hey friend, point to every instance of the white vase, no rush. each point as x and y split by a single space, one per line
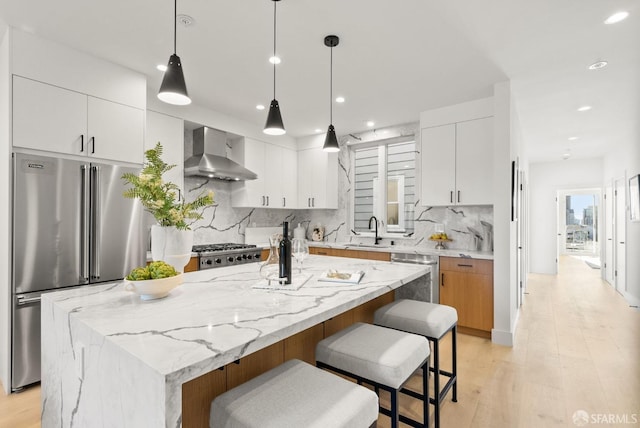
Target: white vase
171 245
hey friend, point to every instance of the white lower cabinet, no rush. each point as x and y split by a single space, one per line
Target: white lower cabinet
457 163
54 119
168 131
317 179
276 168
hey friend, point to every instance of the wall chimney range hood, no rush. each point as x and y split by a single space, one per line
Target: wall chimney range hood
210 158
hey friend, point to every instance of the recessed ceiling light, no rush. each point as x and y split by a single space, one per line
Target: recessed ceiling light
260 107
340 99
573 138
617 17
597 65
161 67
584 108
275 60
370 123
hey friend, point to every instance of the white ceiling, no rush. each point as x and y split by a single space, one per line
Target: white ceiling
395 59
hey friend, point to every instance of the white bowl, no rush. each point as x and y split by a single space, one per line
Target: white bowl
154 288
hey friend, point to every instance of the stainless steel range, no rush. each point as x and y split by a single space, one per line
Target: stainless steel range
218 255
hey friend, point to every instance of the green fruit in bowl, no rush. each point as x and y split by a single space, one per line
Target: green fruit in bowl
155 270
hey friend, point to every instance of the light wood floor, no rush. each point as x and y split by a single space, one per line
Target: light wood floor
577 347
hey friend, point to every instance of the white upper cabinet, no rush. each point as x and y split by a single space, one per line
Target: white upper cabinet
168 131
317 179
77 104
49 118
474 162
456 153
276 168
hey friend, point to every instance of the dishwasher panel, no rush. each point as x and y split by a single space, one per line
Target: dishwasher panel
423 288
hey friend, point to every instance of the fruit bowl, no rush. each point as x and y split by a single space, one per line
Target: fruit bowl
150 289
440 241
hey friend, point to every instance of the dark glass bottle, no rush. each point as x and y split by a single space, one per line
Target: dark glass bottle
285 254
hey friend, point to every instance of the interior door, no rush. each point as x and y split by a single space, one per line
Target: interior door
620 235
609 222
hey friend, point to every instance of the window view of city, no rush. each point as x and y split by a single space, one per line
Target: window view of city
582 224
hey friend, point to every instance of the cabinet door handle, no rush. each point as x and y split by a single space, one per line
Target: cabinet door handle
451 196
442 279
313 202
284 202
263 200
458 196
81 143
93 144
267 201
309 202
464 265
179 195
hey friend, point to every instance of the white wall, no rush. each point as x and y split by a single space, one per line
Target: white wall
626 161
504 232
545 179
5 206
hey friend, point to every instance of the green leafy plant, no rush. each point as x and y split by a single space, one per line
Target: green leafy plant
159 197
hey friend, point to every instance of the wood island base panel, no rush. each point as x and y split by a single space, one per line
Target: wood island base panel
110 359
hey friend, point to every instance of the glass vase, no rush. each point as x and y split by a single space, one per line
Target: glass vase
269 269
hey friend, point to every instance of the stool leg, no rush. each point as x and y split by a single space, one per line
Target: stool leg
436 382
425 392
395 411
454 363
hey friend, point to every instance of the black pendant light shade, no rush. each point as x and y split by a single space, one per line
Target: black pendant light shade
173 90
274 125
330 141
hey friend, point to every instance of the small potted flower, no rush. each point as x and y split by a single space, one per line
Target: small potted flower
172 237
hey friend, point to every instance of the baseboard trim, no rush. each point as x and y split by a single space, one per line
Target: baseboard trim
500 337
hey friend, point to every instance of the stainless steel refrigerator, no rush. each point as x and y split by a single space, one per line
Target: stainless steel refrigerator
71 227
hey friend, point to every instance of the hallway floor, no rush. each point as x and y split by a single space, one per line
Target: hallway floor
577 348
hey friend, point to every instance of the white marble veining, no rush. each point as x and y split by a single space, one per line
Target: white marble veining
110 359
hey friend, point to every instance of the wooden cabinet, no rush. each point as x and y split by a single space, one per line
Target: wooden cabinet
467 285
457 163
276 168
354 254
54 119
197 396
168 131
192 266
303 345
317 179
254 364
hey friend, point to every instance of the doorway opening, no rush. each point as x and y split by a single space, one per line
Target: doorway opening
579 223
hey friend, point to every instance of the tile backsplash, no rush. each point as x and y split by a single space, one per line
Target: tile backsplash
223 223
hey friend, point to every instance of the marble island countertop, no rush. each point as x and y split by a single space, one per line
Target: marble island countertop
399 248
107 353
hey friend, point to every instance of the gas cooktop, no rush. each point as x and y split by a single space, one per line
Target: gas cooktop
206 248
218 255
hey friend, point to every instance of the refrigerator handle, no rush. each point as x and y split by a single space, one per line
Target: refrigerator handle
21 300
95 221
84 223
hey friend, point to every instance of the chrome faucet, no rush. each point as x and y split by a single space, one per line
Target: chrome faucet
377 238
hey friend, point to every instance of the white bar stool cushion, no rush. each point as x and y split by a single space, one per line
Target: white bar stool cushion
295 394
424 318
380 354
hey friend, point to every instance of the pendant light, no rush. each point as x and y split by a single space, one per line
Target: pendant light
274 125
173 90
330 141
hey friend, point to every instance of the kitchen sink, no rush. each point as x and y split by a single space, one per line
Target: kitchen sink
368 246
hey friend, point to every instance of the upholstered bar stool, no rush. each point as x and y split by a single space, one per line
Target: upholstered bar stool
381 357
295 394
432 321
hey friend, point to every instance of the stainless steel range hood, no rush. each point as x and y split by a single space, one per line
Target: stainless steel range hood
210 160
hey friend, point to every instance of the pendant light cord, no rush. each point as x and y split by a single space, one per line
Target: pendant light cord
275 2
175 24
331 88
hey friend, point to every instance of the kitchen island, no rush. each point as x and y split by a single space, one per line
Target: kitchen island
110 359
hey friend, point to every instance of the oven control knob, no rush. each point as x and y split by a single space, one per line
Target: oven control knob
218 261
249 257
256 256
238 258
209 262
244 257
230 259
